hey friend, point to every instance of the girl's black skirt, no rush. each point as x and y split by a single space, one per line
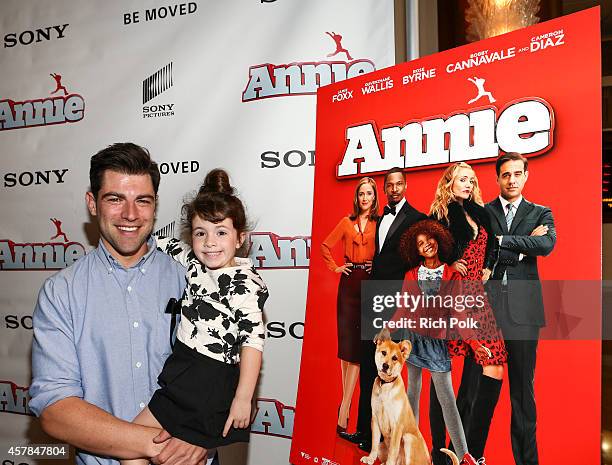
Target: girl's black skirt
194 400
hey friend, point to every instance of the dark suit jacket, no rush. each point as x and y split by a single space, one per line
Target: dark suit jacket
525 302
387 264
388 270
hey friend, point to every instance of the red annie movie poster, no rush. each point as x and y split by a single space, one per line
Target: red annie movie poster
531 396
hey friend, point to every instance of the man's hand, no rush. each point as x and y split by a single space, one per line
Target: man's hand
461 266
486 274
177 451
368 264
239 415
541 230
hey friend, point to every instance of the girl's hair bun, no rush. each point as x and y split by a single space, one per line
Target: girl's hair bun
216 181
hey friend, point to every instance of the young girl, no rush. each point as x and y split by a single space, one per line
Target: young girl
208 381
423 246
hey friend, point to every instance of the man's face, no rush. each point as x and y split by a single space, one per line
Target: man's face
125 209
511 180
395 186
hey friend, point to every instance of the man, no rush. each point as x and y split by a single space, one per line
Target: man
524 231
387 265
100 332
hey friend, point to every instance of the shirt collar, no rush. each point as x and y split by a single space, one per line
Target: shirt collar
112 264
399 205
515 204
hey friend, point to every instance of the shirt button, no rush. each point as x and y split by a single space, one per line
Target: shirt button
142 405
143 271
135 324
129 288
138 364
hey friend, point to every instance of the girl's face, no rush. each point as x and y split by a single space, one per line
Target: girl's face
215 244
365 197
463 183
427 246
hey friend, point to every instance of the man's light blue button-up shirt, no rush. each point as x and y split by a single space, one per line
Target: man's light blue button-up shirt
101 333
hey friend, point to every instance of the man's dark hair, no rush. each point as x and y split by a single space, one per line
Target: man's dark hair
510 156
394 170
124 157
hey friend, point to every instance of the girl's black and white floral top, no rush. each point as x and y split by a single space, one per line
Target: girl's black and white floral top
221 310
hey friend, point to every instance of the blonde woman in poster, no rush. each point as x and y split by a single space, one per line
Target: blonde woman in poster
357 234
458 205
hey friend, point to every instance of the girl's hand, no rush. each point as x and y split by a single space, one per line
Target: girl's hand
368 264
483 353
480 352
486 274
461 266
346 268
239 415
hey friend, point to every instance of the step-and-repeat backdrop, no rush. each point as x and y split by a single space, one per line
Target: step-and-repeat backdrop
201 84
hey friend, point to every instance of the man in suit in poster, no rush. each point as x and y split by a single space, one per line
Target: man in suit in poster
525 231
387 265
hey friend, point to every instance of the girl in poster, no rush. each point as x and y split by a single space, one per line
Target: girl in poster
425 247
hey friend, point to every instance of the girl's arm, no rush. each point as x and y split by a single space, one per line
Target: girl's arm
251 334
178 250
240 411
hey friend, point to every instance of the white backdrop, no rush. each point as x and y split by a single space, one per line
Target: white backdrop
200 54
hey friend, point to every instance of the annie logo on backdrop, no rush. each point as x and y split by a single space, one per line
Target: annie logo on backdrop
55 255
60 109
270 251
14 398
273 418
304 78
525 125
153 86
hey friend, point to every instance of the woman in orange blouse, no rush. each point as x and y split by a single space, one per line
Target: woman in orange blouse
357 233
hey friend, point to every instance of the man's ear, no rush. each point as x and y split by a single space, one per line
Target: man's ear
91 203
526 176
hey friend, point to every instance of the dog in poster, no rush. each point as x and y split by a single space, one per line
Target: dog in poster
392 416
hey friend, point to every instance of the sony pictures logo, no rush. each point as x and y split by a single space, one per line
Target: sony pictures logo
341 95
153 86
